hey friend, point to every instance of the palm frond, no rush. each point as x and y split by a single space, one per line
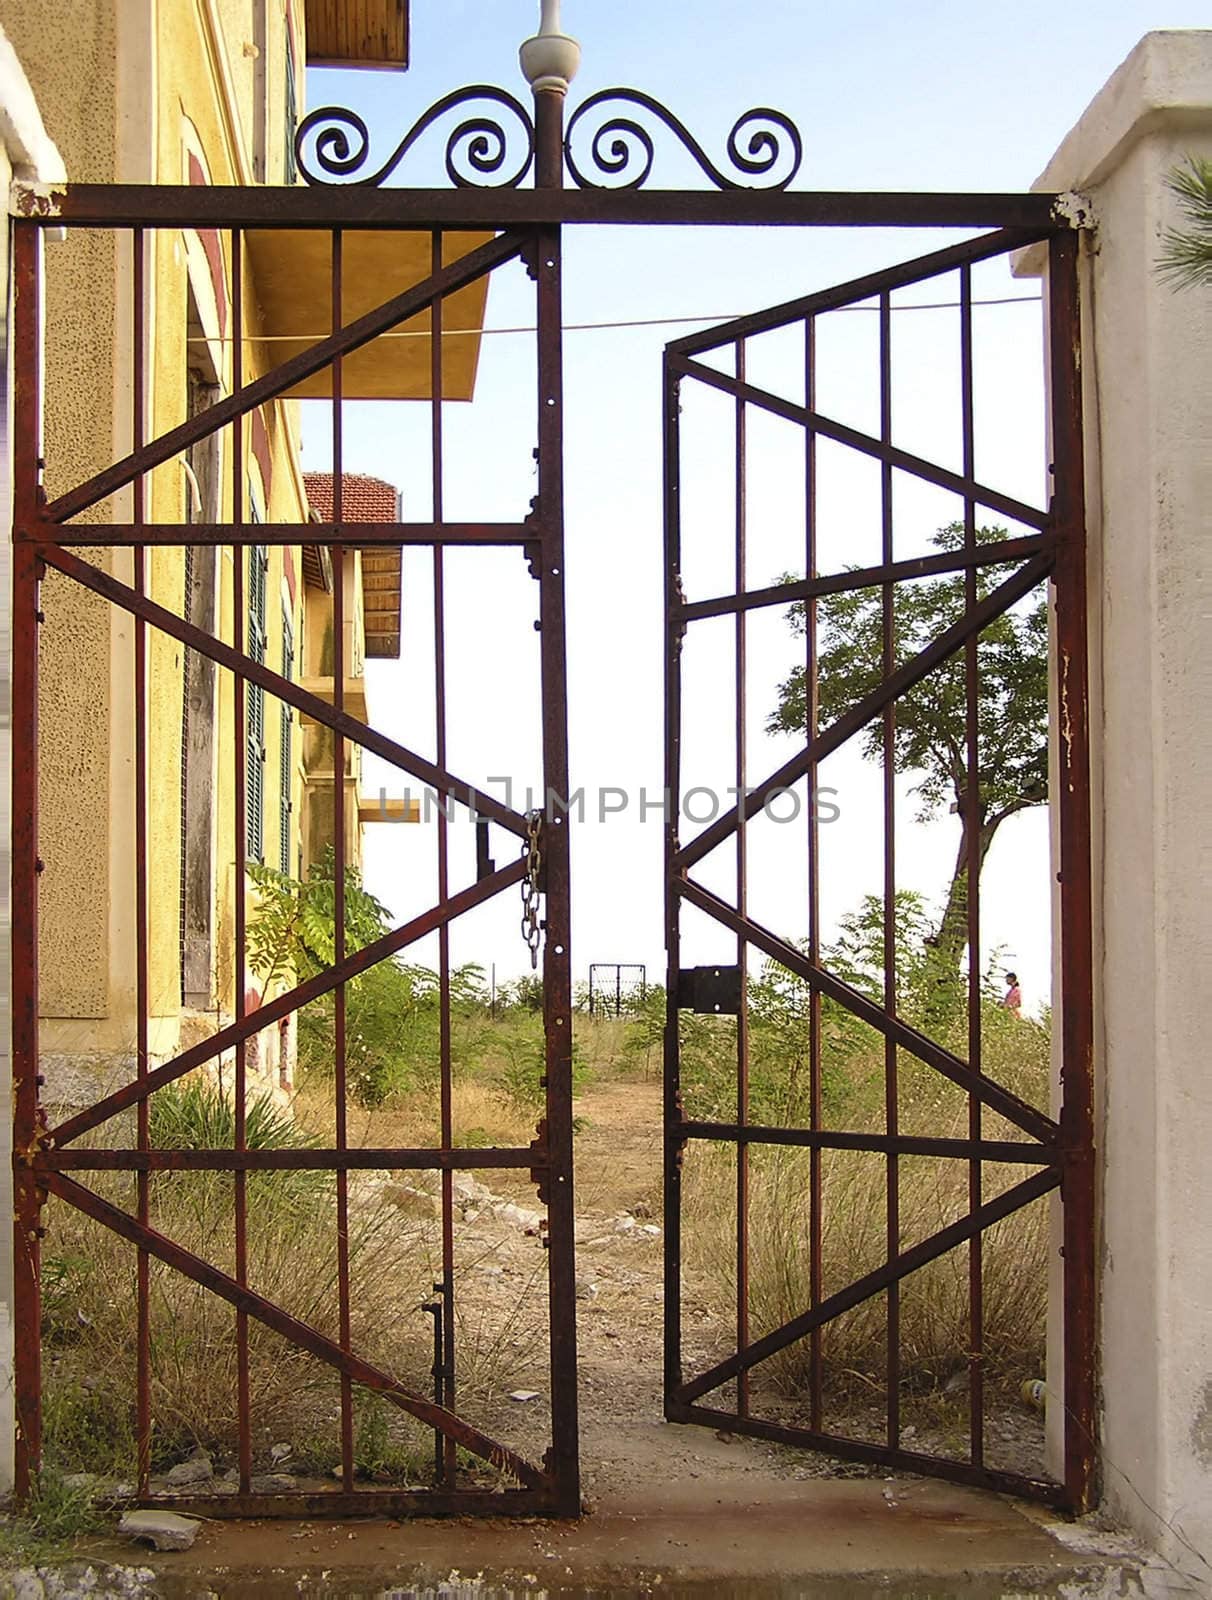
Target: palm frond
1186 258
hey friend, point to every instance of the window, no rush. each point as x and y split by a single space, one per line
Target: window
287 731
254 700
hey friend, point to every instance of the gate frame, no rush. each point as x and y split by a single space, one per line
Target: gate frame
1057 553
544 211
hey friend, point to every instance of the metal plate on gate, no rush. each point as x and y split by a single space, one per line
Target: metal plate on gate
711 991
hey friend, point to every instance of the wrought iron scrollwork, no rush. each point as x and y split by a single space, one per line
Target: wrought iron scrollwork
764 147
763 144
477 149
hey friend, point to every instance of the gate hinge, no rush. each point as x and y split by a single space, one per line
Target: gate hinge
710 990
533 550
540 1173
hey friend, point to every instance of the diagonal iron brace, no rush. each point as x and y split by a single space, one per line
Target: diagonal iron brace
282 1005
397 755
290 1328
816 422
284 376
906 677
1006 1104
873 1283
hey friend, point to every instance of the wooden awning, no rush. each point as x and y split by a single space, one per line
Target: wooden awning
357 33
292 272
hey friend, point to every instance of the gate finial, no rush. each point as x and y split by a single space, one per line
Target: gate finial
550 59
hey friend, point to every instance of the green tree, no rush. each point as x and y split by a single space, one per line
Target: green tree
1012 708
1186 257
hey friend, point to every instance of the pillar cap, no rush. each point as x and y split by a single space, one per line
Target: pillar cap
550 59
1166 81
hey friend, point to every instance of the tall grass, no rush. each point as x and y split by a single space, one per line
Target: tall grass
90 1296
935 1325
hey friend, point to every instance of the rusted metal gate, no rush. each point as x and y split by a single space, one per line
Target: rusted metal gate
526 223
51 1161
1055 1152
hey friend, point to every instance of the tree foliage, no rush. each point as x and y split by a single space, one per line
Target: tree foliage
931 719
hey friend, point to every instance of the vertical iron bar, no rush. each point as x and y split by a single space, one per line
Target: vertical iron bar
742 948
557 971
27 1198
973 818
1077 1106
811 717
444 1029
142 1180
891 1087
340 864
240 739
674 1147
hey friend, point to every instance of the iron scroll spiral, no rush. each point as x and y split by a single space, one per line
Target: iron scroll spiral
762 142
340 143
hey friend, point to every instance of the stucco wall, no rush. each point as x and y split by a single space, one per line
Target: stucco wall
133 87
68 52
1148 402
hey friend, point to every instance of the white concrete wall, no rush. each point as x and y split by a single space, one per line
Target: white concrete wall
1148 387
25 153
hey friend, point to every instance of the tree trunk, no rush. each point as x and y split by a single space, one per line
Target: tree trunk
952 937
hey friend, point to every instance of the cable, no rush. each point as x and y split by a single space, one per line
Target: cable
595 327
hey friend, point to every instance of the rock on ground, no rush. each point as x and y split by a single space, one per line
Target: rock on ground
163 1529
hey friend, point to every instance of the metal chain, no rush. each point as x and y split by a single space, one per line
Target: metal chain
532 928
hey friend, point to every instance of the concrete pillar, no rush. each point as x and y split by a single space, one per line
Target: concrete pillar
1147 373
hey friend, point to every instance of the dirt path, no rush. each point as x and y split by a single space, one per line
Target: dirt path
620 1239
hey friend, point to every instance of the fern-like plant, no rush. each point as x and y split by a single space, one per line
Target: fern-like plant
292 932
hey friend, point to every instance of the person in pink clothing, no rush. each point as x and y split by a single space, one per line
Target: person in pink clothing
1013 1000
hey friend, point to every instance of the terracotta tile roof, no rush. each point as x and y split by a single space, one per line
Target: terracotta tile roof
363 498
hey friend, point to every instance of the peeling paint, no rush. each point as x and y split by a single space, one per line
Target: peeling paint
36 199
1066 720
1074 209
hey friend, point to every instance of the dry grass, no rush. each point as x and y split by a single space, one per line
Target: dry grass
89 1318
89 1274
935 1307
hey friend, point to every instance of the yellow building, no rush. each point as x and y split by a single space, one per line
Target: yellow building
186 92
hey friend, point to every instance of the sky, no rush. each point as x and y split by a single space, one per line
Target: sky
932 96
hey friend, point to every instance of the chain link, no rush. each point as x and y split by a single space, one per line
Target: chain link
532 928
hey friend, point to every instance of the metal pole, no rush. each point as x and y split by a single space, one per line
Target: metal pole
1073 804
557 970
27 1196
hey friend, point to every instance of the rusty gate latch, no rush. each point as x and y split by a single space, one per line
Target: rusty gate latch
713 991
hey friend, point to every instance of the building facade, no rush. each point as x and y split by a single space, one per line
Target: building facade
196 92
